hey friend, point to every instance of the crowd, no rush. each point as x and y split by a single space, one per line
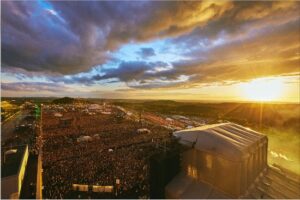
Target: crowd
120 152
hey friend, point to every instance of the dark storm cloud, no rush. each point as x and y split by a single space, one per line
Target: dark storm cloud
71 37
37 40
146 52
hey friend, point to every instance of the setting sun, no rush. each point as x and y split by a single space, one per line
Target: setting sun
263 89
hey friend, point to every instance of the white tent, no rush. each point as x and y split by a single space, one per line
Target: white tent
95 107
85 138
106 113
169 119
227 156
143 130
11 151
57 114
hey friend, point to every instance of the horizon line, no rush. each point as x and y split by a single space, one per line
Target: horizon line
178 100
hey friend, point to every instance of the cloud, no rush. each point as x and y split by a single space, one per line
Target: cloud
263 52
160 82
32 87
222 41
130 71
146 52
72 37
35 40
259 10
136 74
240 22
21 73
265 46
236 60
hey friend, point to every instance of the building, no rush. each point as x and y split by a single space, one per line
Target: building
12 171
222 160
228 161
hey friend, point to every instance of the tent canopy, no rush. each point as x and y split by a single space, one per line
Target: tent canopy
229 140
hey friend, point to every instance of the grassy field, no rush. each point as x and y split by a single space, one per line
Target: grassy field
284 148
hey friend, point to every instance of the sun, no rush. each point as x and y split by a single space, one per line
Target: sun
263 89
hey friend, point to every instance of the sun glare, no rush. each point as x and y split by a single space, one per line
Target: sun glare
263 89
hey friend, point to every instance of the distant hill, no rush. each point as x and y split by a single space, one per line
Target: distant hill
161 102
68 100
247 114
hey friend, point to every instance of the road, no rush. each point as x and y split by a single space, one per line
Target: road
8 127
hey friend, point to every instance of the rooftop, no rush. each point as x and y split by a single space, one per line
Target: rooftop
227 139
12 162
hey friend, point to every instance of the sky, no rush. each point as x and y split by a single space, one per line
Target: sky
182 50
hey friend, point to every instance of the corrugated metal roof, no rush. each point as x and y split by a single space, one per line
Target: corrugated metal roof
227 139
276 183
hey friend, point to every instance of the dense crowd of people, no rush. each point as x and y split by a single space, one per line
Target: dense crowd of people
118 152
